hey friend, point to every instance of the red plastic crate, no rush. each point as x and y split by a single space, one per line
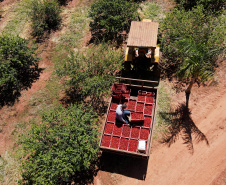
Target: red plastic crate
117 129
106 139
140 107
123 144
111 116
125 95
144 93
135 132
151 94
126 131
119 87
131 104
137 116
109 128
147 121
115 142
150 99
148 109
133 145
141 98
127 92
113 106
144 133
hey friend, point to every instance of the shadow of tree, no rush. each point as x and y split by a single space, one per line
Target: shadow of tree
10 94
86 176
99 37
98 103
181 123
126 165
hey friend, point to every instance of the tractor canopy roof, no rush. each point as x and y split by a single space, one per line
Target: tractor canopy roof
143 34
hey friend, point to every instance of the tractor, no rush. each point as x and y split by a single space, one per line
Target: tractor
142 50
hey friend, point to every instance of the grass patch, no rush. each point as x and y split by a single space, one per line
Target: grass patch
18 20
71 38
9 171
46 97
163 117
151 10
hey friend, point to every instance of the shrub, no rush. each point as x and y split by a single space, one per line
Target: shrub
61 146
111 17
18 67
92 73
45 16
209 5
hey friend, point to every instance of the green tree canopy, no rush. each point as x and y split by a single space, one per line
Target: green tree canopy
61 146
18 66
196 28
191 42
109 17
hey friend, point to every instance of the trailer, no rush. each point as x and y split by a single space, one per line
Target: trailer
134 138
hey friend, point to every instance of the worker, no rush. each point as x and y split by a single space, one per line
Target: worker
121 113
148 55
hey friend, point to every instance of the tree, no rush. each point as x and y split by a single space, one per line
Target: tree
61 146
191 42
197 63
18 67
109 17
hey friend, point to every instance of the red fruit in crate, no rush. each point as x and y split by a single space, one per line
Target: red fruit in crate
131 105
115 142
111 116
137 116
148 109
117 129
113 106
135 132
133 145
124 144
106 140
139 107
108 128
126 96
147 121
149 99
144 133
126 131
141 98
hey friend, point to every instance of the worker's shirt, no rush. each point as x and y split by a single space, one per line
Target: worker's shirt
119 113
